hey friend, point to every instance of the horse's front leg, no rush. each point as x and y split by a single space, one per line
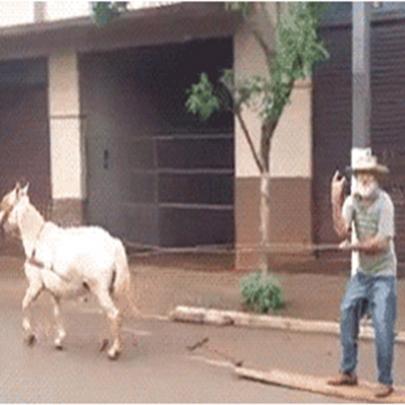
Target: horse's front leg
32 293
60 329
114 317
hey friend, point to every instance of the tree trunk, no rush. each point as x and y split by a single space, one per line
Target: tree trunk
265 148
264 222
267 130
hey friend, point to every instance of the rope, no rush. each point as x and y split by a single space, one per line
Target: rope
148 250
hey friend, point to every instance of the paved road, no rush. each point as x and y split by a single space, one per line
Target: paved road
156 366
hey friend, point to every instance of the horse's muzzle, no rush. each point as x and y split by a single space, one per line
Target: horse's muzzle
3 218
4 214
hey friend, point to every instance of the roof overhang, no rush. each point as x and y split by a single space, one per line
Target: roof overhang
178 22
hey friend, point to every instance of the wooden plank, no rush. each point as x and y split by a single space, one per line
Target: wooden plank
363 392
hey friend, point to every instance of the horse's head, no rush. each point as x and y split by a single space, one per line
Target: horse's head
12 204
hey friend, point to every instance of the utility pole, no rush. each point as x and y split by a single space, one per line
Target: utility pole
361 90
361 75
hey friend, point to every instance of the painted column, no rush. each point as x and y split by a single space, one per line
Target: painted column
290 166
66 141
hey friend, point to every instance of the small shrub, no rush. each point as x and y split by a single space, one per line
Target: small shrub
261 293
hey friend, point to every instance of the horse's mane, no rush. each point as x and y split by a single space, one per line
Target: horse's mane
32 210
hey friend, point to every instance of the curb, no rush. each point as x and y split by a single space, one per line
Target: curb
225 318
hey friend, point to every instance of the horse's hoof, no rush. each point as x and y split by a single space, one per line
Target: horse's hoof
58 343
103 345
30 339
113 355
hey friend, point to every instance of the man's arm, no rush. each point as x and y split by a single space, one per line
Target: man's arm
374 245
381 241
340 224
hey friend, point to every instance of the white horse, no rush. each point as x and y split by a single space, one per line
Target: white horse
67 263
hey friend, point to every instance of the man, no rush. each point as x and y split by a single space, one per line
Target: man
371 212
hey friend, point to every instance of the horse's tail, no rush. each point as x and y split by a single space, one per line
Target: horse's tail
122 275
123 289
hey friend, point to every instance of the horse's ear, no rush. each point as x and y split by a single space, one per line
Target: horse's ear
24 190
20 190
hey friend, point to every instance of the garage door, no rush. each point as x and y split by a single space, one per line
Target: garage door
332 125
388 113
156 174
332 119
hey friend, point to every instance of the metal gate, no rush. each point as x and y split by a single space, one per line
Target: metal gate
157 175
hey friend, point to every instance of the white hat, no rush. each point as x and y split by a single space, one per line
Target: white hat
368 163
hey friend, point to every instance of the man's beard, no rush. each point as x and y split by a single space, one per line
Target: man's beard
366 191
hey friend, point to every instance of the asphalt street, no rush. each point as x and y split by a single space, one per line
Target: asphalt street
157 364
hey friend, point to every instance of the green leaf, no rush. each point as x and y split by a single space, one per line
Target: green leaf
202 100
104 12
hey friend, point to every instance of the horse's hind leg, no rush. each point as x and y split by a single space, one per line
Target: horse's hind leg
32 293
60 329
114 317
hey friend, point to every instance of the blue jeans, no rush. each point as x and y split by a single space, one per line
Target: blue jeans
378 293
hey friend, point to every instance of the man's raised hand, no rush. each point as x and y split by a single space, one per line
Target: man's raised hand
337 189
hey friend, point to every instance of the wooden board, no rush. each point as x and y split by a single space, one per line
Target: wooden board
363 392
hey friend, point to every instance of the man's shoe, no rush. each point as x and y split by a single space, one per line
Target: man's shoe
383 390
343 379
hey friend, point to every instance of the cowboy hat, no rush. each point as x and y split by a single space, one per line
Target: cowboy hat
367 164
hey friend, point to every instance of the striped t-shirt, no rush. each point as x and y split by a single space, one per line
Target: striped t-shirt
370 220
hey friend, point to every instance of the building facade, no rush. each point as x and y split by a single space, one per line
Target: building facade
94 118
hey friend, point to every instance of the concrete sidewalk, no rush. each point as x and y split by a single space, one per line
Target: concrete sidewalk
162 285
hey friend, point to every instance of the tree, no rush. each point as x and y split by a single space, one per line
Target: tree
295 51
104 12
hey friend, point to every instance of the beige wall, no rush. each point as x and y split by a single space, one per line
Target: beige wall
248 60
291 154
64 84
292 142
67 152
290 162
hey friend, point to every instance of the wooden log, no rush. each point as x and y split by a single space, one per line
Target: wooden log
187 314
224 317
201 315
363 392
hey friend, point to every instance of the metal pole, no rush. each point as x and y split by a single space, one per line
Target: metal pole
361 75
361 88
